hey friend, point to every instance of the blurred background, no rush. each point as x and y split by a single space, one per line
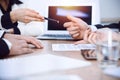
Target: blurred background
109 9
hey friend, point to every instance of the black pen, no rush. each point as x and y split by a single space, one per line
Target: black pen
51 19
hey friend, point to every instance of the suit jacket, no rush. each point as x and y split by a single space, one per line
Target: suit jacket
112 25
33 28
4 50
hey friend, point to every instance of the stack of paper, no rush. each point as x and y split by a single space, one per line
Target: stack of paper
53 77
72 47
113 72
22 66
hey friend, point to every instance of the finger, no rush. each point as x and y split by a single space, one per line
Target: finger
81 42
74 19
31 10
90 38
34 14
77 20
86 34
35 42
24 45
94 39
74 28
26 51
76 36
29 19
67 24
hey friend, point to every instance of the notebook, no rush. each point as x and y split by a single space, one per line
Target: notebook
87 12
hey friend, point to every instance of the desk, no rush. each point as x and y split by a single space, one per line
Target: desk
86 73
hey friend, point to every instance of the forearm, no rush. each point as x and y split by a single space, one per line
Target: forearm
8 24
117 36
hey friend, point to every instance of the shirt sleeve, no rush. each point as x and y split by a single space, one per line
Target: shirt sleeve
112 25
8 43
2 32
93 28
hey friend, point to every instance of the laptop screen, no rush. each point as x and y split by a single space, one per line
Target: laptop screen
60 13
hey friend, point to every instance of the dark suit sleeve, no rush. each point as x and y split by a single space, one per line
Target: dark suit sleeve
113 25
4 50
7 23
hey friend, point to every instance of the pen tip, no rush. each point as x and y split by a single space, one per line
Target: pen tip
57 21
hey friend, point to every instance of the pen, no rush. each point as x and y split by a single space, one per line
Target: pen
51 19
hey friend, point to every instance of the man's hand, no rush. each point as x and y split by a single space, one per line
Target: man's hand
100 35
20 44
76 27
28 39
19 47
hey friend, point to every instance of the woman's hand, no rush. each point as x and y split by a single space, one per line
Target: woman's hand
25 15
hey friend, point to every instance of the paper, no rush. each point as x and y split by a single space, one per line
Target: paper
53 77
72 47
22 66
113 72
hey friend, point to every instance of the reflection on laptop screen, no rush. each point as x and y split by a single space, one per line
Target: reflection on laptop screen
60 13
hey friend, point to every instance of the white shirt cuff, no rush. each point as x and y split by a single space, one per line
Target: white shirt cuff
8 43
93 28
1 33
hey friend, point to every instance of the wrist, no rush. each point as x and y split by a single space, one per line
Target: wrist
8 43
13 16
93 28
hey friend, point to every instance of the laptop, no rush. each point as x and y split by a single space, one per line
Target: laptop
56 30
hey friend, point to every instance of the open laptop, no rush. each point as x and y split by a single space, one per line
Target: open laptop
56 30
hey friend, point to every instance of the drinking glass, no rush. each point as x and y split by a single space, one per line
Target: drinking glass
107 50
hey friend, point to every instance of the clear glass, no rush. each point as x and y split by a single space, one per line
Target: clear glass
108 55
108 50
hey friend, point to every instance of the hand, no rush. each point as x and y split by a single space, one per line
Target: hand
19 47
76 27
25 15
28 39
99 35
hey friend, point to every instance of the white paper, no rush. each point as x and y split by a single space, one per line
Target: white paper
22 66
72 47
53 77
113 72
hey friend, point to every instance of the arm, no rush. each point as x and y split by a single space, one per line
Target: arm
20 45
99 35
76 27
30 23
8 24
112 25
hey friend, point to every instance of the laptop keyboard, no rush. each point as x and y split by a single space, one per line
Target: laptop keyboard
56 36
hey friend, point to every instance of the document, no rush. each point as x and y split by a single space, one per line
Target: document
72 47
53 77
113 72
37 64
